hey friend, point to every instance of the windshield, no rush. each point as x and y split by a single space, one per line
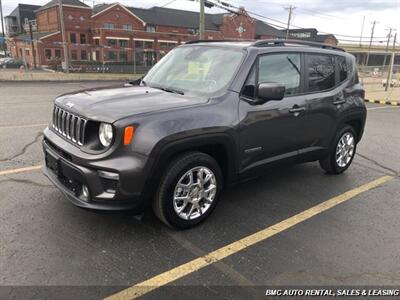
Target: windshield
198 70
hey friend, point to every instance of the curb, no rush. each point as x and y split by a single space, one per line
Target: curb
393 103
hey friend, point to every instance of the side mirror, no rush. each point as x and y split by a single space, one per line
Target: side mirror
267 91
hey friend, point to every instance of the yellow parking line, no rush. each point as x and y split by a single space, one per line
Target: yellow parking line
20 170
22 126
162 279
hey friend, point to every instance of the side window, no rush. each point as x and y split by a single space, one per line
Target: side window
249 89
321 72
344 68
282 68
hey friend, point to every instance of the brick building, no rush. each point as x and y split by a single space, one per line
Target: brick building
118 33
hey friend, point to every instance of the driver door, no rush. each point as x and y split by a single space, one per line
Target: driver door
273 131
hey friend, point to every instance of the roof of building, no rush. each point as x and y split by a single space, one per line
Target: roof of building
24 10
64 2
265 29
169 17
323 37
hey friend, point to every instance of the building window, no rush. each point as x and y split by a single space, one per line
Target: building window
112 42
123 43
151 28
27 52
97 53
83 38
47 54
57 53
112 55
20 52
144 44
193 31
97 42
281 68
74 55
108 25
72 38
82 18
167 45
83 55
127 27
321 72
123 56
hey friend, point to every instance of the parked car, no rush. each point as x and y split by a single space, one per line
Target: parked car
208 115
11 63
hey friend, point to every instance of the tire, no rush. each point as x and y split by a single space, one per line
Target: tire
166 206
330 163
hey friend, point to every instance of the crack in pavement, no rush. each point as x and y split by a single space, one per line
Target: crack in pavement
27 181
393 172
24 148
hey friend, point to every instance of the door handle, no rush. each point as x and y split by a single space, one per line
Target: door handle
339 101
296 109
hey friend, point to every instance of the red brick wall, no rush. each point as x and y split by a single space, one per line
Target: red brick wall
118 16
232 24
47 20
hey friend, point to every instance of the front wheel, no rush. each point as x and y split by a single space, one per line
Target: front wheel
342 151
188 191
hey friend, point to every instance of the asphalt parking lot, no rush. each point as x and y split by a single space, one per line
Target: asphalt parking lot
50 246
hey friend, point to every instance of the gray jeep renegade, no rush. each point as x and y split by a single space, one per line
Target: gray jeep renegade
206 115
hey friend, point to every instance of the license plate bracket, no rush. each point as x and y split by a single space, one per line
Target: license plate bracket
52 163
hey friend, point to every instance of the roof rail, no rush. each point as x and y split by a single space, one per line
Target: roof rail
216 41
267 43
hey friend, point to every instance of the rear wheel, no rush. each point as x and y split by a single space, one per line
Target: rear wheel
342 151
188 191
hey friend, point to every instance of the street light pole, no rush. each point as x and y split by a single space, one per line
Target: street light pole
64 40
290 9
32 44
201 20
370 42
387 45
389 77
2 27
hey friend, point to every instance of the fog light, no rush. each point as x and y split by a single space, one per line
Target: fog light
85 192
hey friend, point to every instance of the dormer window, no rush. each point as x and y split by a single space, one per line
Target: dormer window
151 28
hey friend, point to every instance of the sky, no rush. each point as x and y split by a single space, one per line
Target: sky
343 18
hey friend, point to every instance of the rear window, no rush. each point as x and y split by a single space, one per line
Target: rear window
321 72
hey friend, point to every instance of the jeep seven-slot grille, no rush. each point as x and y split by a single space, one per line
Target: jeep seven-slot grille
69 125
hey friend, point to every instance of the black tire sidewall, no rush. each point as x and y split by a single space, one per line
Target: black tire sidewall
335 166
167 205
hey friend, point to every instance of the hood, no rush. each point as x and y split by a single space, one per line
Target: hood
112 104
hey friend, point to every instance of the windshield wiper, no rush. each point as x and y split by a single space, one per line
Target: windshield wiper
169 90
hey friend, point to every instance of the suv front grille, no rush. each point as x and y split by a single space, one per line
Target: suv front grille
69 125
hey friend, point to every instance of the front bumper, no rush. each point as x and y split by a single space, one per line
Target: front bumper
70 173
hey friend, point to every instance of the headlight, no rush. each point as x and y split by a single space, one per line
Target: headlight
105 134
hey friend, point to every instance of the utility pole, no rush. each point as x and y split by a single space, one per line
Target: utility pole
387 45
362 30
290 8
370 42
32 44
389 77
64 40
201 20
2 27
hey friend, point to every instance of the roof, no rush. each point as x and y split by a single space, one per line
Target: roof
169 17
265 29
64 2
36 36
323 37
24 10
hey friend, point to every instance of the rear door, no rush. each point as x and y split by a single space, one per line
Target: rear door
325 98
